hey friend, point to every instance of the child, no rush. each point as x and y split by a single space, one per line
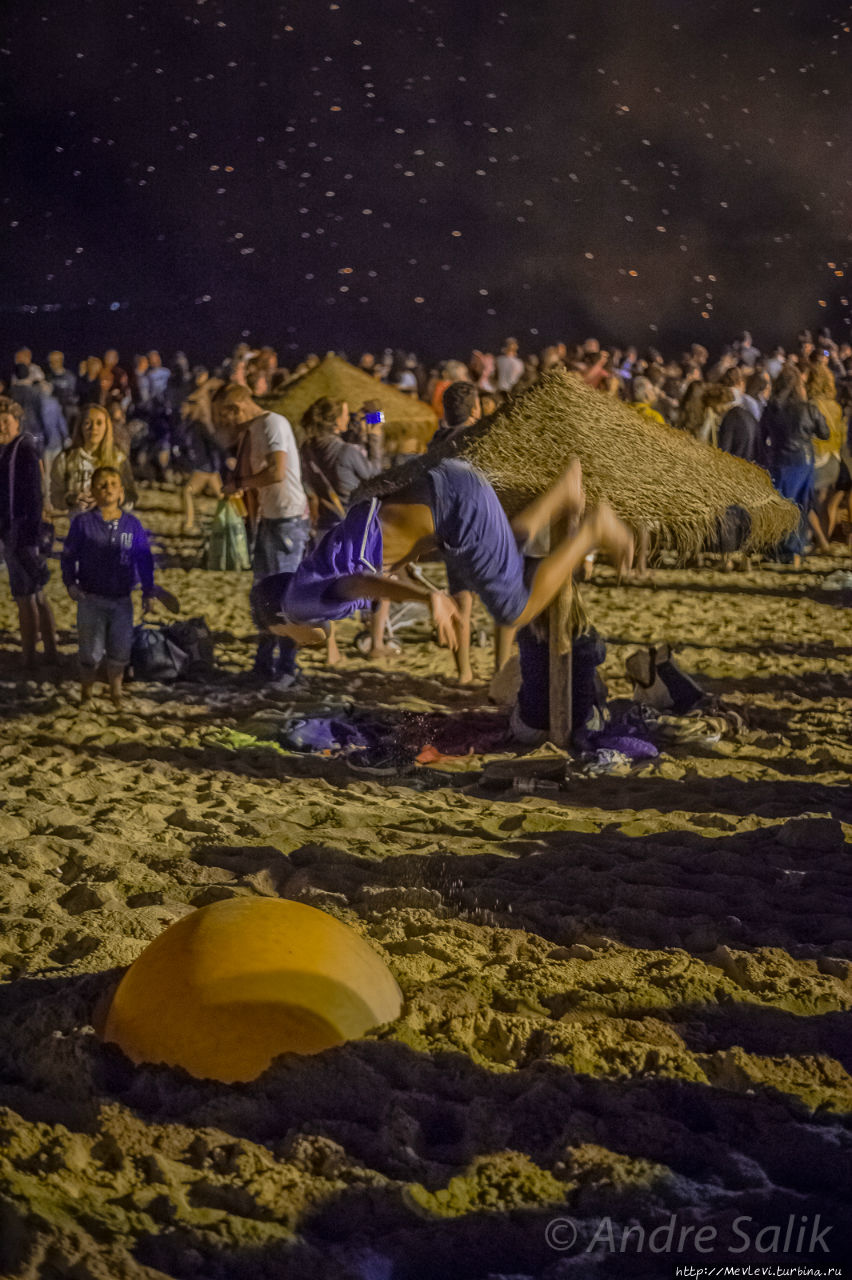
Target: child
454 510
106 554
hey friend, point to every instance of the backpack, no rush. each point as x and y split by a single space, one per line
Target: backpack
153 656
194 639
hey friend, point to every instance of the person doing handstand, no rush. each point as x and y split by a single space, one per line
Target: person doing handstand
452 509
462 408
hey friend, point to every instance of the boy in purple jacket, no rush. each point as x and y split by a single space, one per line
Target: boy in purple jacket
106 554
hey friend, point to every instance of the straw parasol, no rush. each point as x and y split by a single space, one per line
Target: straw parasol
652 475
405 416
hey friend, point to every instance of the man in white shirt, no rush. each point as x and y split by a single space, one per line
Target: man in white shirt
268 474
509 366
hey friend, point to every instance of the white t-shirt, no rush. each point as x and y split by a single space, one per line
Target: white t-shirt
272 433
509 369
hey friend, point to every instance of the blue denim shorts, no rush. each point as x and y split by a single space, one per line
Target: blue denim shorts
27 566
104 630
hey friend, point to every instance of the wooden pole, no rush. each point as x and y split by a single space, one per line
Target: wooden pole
559 620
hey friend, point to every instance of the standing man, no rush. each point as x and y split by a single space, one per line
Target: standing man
268 474
64 384
509 366
21 534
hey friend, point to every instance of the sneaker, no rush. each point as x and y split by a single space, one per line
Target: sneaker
379 762
660 683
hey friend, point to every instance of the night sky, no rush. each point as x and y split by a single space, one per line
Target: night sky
434 176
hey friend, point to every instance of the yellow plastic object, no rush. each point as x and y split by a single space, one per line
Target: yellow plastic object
226 989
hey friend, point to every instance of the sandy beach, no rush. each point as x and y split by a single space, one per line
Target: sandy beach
624 1001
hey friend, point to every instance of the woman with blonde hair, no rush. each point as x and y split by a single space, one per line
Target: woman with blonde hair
92 446
822 391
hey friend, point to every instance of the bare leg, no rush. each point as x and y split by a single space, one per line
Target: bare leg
190 491
602 528
115 676
464 600
28 625
88 676
47 627
565 498
332 652
816 529
642 550
835 502
198 483
378 622
504 638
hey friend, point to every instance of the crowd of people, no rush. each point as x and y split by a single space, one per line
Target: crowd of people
79 444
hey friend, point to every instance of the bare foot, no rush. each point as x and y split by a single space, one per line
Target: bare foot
383 651
614 536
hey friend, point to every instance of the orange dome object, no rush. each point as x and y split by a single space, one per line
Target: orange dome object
229 987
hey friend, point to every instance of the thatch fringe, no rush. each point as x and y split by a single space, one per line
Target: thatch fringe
652 475
405 416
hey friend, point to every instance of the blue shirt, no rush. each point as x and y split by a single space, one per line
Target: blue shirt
476 539
107 557
158 380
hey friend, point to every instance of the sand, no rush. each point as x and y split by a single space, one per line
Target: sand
624 1002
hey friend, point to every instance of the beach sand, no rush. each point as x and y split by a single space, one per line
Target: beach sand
628 1003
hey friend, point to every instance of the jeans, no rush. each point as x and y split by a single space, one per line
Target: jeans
795 480
104 629
279 546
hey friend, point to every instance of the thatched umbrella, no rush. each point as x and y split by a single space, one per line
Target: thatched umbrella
652 475
405 416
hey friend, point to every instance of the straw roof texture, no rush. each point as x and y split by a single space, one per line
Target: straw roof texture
652 475
404 415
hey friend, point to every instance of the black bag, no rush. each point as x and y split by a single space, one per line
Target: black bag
194 639
153 656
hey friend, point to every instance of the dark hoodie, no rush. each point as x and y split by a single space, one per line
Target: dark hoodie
791 427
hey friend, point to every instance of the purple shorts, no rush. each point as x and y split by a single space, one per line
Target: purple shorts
352 546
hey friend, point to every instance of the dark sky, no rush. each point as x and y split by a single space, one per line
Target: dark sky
435 176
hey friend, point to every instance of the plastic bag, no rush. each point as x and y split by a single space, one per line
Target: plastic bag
153 656
227 546
193 637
